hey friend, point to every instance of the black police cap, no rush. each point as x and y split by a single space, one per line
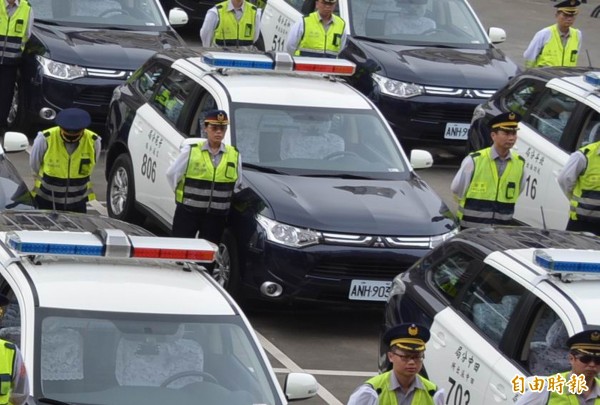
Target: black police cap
73 119
507 121
568 6
587 341
407 336
216 117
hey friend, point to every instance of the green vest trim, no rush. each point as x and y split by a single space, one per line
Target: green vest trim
204 187
555 54
585 202
489 199
566 398
316 41
7 364
382 385
230 31
64 178
13 32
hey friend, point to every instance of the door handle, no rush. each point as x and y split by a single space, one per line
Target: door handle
440 340
498 392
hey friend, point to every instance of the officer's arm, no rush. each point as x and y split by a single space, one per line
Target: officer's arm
569 174
207 31
462 179
535 47
257 24
98 147
439 398
294 37
177 169
533 398
37 152
364 395
20 382
238 182
29 25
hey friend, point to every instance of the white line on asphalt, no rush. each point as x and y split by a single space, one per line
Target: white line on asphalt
327 396
97 205
340 373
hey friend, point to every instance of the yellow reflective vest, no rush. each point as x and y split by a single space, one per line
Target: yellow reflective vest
387 396
206 188
555 54
316 41
230 31
7 364
491 199
585 202
13 32
64 178
566 398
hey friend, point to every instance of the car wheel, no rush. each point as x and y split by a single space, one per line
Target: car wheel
16 115
120 192
226 269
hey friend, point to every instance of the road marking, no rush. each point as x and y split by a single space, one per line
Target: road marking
327 396
97 205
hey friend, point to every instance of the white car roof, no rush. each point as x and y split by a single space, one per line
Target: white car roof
579 88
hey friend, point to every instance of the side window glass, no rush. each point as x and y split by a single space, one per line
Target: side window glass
172 95
10 316
450 275
522 95
591 130
490 301
297 4
551 114
146 81
548 343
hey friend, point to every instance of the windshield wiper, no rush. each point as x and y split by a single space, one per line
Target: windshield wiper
338 176
52 401
262 169
371 39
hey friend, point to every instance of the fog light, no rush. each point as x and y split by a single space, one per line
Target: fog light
271 289
47 113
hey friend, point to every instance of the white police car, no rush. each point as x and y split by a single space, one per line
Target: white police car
104 315
500 302
558 119
331 208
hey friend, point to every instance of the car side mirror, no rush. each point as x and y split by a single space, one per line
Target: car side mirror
178 17
420 159
299 386
15 142
497 35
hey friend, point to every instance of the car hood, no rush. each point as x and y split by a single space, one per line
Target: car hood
100 48
464 68
376 207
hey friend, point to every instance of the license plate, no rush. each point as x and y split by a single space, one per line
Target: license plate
369 290
456 131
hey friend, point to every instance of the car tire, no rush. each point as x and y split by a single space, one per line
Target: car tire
17 120
226 269
120 192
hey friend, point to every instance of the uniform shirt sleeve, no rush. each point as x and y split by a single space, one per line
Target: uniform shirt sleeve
569 174
364 395
535 46
98 147
177 169
29 24
37 152
239 183
257 24
580 40
294 36
533 398
439 398
207 31
462 179
20 382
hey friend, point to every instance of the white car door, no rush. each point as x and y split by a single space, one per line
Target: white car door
277 20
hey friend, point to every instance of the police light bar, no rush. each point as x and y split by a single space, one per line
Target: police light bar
238 60
112 244
341 67
592 78
568 260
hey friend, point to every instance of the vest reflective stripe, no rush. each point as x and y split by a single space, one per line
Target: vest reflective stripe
555 54
316 41
585 202
230 31
204 187
566 398
64 178
7 364
381 383
489 199
13 32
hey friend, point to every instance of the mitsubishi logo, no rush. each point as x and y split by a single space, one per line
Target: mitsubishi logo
379 242
468 93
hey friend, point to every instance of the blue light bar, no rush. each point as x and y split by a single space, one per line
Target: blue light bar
592 78
42 242
568 260
238 60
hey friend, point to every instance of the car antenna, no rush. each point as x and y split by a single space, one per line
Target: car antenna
545 229
587 52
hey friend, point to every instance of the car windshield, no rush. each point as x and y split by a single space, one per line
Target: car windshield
317 141
104 358
448 23
14 193
127 14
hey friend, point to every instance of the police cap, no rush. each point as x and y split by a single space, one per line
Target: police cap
407 336
216 117
73 119
506 122
587 342
568 7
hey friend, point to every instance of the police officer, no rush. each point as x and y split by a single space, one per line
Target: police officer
16 18
558 44
14 384
584 356
231 23
403 384
490 180
321 33
204 176
579 179
63 158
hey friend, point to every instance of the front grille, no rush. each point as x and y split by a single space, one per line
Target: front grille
443 115
95 96
356 270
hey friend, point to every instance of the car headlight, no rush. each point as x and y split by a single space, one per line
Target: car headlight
439 239
288 235
397 88
478 113
59 70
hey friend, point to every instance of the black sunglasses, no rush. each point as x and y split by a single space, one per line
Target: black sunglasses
588 358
